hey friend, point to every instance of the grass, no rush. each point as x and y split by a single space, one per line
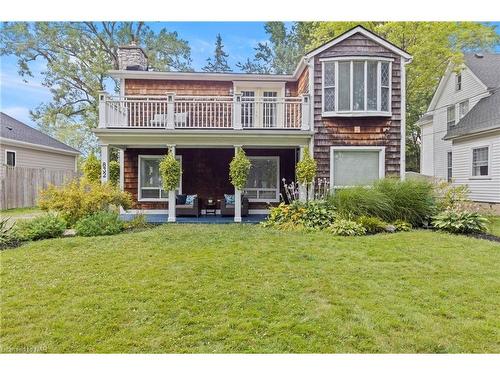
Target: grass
494 225
237 288
21 213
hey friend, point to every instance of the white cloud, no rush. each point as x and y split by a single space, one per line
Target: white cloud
16 83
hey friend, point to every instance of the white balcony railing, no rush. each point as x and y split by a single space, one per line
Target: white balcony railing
203 112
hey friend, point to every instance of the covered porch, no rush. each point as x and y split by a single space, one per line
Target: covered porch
205 175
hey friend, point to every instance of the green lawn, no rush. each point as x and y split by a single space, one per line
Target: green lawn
242 288
20 213
494 226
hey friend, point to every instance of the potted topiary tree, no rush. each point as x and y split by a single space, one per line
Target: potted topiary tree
239 168
306 171
170 173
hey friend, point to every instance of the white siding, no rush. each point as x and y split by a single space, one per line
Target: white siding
427 150
31 158
481 189
473 90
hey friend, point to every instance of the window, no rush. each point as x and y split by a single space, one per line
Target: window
463 108
10 158
247 108
450 116
263 179
450 166
269 109
351 166
356 87
480 161
458 82
150 187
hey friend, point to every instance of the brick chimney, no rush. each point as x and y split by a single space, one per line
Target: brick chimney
132 57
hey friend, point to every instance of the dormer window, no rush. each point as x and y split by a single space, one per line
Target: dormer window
358 86
458 82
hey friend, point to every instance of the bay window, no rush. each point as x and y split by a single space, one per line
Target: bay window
150 185
263 179
357 87
356 166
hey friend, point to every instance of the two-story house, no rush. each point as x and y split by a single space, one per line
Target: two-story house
461 129
345 102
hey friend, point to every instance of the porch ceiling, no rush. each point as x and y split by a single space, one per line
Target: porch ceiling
204 138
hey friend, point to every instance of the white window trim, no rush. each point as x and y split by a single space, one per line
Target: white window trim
351 112
457 89
381 160
460 116
454 112
139 189
484 177
277 198
449 176
15 157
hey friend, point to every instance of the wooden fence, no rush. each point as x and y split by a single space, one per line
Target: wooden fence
19 186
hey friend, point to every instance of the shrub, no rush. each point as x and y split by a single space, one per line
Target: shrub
306 170
359 201
80 198
41 227
170 171
114 172
402 226
372 224
8 236
92 168
344 227
137 222
463 222
410 200
101 223
451 197
300 215
239 168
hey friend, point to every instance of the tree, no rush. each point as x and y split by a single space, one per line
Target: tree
306 170
170 172
77 57
433 46
219 63
239 168
92 168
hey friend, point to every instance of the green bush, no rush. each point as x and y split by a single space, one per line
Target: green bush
101 223
8 236
463 222
170 172
114 172
92 168
41 227
239 168
306 170
402 226
344 227
80 198
300 215
372 224
137 222
410 200
359 201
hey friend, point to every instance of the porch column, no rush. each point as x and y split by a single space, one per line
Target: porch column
105 151
171 194
237 196
121 160
302 187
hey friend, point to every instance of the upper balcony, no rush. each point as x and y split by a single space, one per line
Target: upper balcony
204 112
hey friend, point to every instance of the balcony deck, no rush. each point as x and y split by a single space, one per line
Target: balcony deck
203 112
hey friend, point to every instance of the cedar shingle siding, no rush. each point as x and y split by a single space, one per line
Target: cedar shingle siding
373 131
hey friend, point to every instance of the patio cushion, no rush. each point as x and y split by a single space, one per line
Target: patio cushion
229 205
180 199
184 205
190 199
229 199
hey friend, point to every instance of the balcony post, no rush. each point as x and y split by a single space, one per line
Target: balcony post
171 194
237 112
105 151
237 196
102 109
170 110
306 112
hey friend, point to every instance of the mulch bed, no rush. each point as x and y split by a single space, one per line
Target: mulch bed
485 236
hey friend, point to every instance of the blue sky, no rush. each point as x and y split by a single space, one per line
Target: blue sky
239 38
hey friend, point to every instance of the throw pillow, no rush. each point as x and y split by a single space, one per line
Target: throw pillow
180 199
229 198
190 198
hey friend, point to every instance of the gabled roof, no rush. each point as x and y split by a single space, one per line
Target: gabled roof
484 116
14 130
359 29
486 67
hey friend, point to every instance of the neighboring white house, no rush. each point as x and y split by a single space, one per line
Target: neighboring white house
461 129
